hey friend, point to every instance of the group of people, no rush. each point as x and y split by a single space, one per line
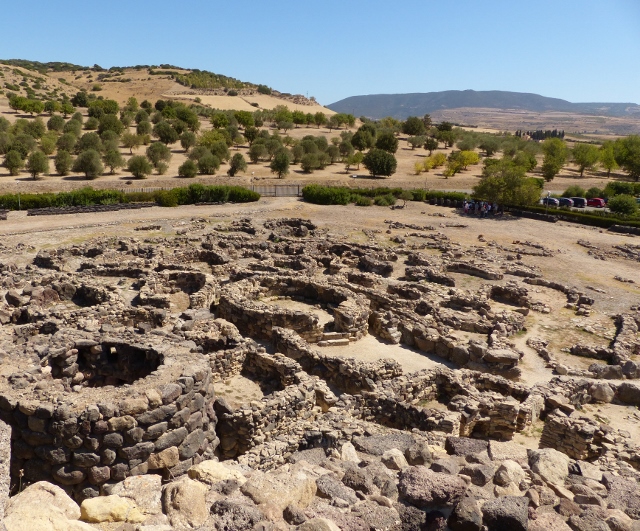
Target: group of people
483 209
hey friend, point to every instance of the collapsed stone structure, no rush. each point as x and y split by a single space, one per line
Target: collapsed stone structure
115 353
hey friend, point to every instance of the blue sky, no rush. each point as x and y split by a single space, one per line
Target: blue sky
581 51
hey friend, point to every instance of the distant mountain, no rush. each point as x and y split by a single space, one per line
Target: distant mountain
400 106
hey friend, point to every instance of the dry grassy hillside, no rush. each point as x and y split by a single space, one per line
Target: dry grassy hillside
45 86
139 83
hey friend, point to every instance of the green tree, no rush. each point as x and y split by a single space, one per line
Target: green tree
608 157
131 141
48 143
89 163
415 141
244 118
110 122
52 106
280 163
35 128
380 162
281 113
505 183
309 162
139 166
89 141
387 141
158 153
320 118
489 144
628 155
585 156
141 116
165 132
257 152
144 128
92 123
219 120
13 162
430 144
237 164
188 169
55 123
354 160
623 204
187 140
74 127
208 164
334 153
66 142
66 109
298 118
113 160
63 162
555 156
413 126
297 152
251 133
446 136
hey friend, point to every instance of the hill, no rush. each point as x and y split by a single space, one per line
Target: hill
45 81
400 106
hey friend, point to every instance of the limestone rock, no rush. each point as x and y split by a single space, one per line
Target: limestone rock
110 509
289 485
213 471
145 491
45 507
509 472
184 503
348 453
551 465
548 521
318 524
394 459
167 458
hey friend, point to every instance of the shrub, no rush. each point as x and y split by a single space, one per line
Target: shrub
574 191
385 200
363 201
623 204
188 169
326 195
594 192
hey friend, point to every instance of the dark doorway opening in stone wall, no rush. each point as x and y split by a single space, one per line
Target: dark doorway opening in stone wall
93 364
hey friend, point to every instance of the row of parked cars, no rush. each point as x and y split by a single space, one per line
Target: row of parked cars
576 202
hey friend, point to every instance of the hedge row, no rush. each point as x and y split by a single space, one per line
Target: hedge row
195 193
342 195
594 219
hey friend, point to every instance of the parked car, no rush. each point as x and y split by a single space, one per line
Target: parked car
638 200
579 202
551 201
566 202
597 202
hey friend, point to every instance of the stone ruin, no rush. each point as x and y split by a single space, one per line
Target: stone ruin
115 354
